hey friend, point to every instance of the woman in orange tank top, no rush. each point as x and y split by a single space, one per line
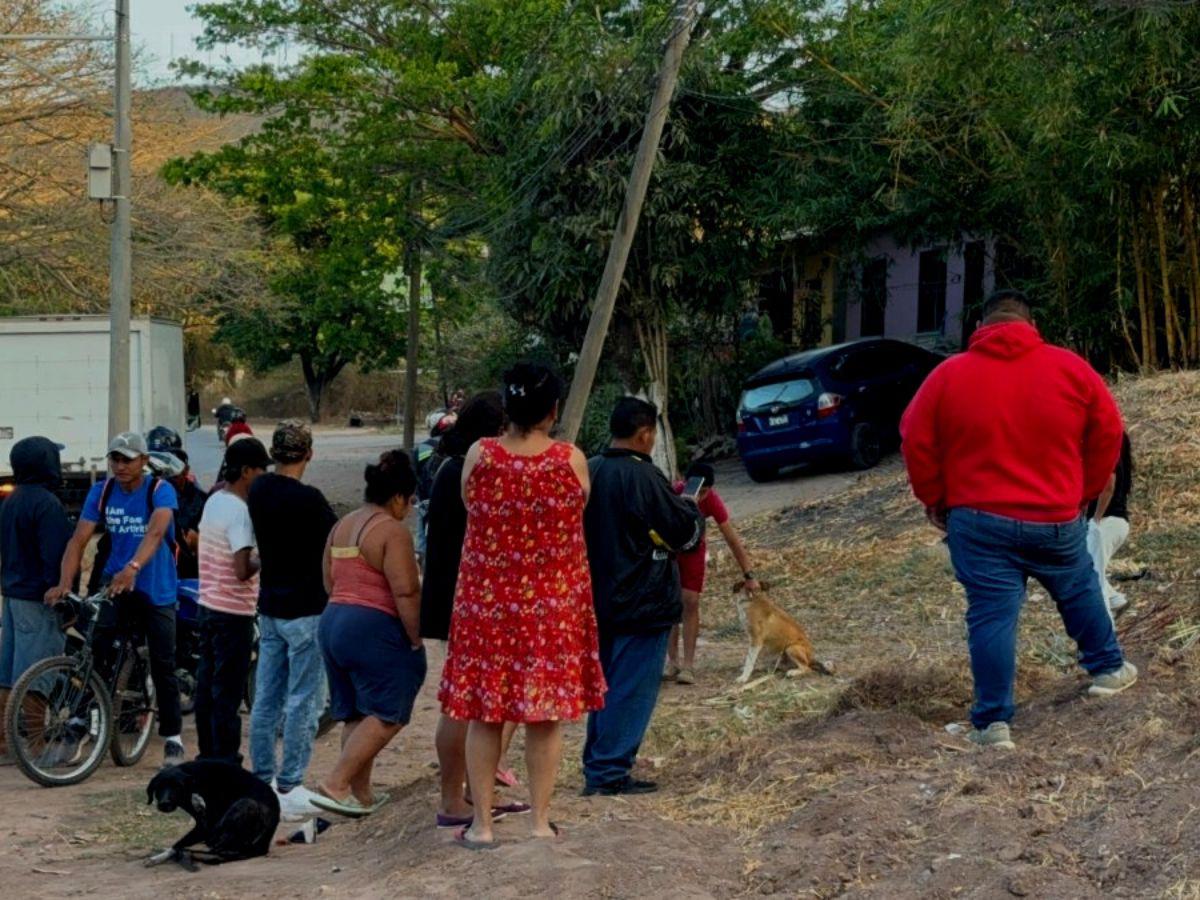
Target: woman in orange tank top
370 631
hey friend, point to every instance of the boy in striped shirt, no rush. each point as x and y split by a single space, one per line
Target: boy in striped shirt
228 599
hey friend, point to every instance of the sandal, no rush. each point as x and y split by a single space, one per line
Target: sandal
510 809
349 807
557 834
460 838
507 778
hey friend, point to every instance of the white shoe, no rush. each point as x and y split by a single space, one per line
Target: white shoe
1117 601
296 805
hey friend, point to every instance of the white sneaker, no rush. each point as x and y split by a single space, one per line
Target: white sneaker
1117 601
296 805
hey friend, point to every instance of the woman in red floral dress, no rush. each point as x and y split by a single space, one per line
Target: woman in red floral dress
523 644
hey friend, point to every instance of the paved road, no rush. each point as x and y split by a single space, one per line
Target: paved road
341 454
339 457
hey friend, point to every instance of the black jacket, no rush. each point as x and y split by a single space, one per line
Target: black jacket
634 525
447 528
34 528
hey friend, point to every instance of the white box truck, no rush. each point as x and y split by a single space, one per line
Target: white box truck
54 382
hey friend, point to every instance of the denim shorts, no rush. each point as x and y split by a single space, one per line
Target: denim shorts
372 666
29 633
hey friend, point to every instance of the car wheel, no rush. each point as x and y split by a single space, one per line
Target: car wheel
866 449
761 474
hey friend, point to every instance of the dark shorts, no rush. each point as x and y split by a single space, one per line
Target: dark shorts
373 668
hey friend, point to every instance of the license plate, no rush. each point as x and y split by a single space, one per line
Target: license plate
776 421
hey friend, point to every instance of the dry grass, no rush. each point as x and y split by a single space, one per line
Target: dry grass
872 584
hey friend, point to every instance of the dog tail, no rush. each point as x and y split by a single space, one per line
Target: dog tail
824 668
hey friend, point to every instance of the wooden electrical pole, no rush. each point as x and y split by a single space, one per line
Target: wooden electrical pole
635 195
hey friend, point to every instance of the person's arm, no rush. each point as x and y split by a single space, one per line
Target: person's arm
160 521
1105 497
468 467
72 558
677 521
241 536
53 534
327 563
921 450
1102 437
400 569
738 549
579 464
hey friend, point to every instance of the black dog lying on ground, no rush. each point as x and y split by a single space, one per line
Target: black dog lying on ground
236 814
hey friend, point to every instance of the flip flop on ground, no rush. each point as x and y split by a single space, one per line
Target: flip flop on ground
460 838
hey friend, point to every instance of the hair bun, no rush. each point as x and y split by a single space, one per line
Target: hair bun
531 392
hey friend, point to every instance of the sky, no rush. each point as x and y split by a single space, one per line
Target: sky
163 30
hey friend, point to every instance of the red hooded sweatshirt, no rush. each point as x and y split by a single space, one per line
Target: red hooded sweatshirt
1014 427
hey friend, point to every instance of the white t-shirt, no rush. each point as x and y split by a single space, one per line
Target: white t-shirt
225 528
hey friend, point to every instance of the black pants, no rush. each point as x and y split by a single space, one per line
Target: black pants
226 642
157 623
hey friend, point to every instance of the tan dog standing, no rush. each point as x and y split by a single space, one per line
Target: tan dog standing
769 627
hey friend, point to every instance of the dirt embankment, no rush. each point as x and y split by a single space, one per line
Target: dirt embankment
810 787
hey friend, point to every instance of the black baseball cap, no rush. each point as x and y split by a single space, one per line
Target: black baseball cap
247 452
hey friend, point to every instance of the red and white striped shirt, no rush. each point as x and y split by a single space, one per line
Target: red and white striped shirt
225 528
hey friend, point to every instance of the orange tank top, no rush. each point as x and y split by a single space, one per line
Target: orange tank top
355 581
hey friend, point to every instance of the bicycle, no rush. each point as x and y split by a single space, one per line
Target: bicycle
64 714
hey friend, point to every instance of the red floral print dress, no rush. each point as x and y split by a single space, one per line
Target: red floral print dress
523 644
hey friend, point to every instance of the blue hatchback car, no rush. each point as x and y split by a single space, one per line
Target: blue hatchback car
840 403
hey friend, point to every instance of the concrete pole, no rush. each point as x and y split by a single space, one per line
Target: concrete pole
120 256
635 195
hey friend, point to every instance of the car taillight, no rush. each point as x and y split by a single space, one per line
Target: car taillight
741 423
828 404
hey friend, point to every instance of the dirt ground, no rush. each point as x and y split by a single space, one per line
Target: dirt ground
843 786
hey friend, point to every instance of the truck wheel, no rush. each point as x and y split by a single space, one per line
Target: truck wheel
761 474
866 449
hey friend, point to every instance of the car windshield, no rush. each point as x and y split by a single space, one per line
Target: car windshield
778 393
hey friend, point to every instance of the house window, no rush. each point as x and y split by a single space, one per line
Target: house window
931 292
873 299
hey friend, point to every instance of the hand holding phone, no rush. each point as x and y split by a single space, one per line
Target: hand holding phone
694 486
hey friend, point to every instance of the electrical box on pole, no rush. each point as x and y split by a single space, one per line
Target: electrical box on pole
100 172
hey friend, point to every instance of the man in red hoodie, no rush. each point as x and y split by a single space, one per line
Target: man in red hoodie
1005 445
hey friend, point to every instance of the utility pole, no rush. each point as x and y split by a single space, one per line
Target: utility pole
120 254
414 344
120 271
627 223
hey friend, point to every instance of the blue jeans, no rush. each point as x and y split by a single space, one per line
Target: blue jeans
993 558
289 686
633 666
29 633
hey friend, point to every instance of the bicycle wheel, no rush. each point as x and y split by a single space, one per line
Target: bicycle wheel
59 722
133 709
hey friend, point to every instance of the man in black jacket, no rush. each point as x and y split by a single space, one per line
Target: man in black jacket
634 525
34 531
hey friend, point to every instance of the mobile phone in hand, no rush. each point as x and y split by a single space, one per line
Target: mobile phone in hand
692 489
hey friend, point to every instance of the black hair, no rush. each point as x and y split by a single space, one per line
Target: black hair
1007 300
480 417
631 415
531 391
702 470
392 476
